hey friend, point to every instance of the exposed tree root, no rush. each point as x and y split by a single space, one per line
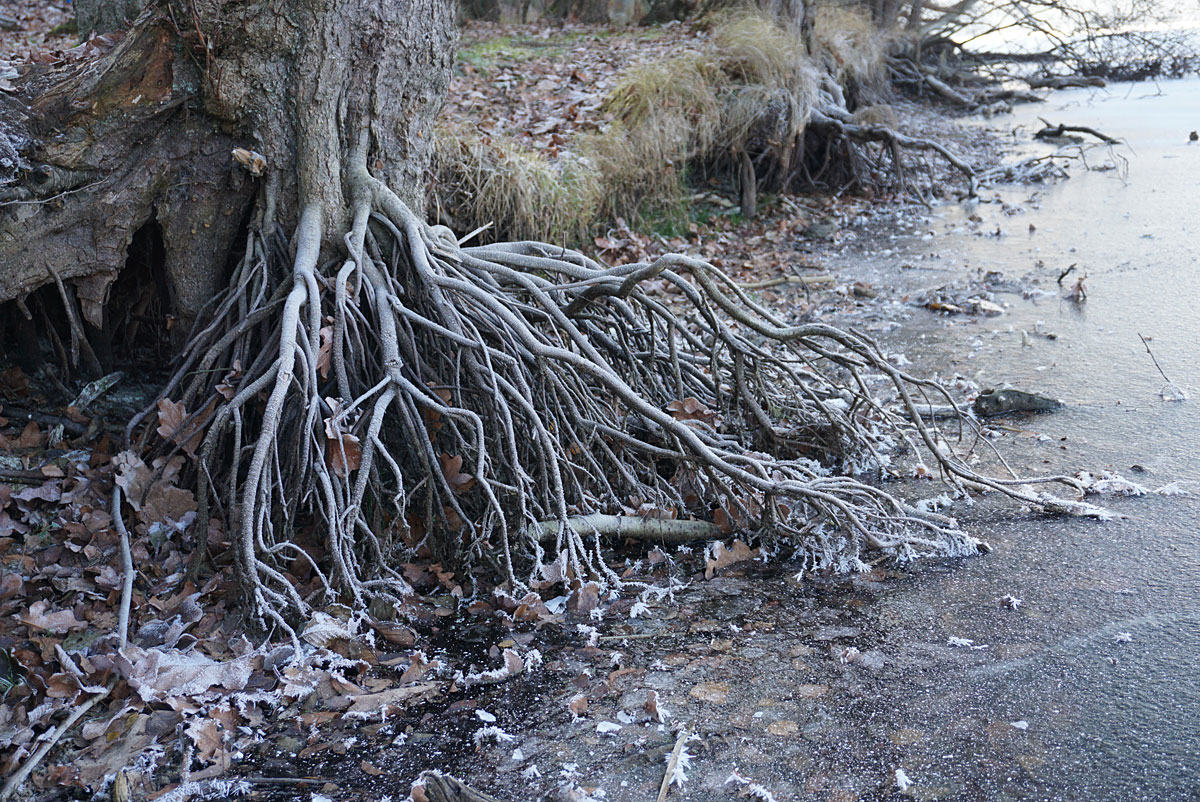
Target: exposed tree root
508 404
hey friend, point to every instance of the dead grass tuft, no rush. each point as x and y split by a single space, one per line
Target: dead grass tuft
749 88
485 179
850 47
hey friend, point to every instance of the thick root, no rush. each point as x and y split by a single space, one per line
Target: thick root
506 405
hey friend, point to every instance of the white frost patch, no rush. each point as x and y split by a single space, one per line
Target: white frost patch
209 789
530 772
934 504
966 643
639 609
518 756
902 781
1123 637
608 728
1173 489
485 717
592 634
1011 602
513 665
1109 483
494 733
1020 725
533 660
753 789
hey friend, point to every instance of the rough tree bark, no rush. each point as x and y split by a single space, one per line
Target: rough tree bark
144 133
104 16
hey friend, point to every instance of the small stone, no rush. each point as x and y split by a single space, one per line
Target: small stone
784 727
715 692
289 745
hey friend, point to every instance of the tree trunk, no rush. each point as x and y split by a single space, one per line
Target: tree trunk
143 133
104 16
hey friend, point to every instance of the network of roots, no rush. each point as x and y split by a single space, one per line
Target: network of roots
507 405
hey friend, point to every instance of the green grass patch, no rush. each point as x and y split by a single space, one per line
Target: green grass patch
486 56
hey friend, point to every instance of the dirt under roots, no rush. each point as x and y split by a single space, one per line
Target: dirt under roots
507 406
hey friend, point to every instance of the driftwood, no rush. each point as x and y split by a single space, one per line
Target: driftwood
944 90
1064 81
1012 95
1057 131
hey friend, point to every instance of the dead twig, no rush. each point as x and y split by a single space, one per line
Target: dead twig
29 765
127 569
673 762
1056 131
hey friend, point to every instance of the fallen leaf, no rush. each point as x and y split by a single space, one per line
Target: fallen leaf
395 697
452 469
691 409
173 425
40 616
651 705
723 557
343 452
325 354
31 436
584 599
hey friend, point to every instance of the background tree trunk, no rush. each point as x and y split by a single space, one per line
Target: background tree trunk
142 134
103 16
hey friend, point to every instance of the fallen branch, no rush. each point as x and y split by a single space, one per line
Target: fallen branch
804 281
29 765
673 762
944 90
1057 131
71 427
662 530
126 569
1064 81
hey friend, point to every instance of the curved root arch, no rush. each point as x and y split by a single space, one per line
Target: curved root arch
508 403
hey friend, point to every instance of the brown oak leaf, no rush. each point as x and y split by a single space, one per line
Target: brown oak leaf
452 469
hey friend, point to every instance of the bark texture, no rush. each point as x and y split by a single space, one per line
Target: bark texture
144 131
103 16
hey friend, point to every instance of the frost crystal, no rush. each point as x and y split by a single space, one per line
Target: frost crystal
493 732
679 776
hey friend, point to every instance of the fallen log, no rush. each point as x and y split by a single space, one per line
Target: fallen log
948 92
1064 81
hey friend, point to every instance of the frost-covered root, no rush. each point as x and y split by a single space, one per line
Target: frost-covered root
499 403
